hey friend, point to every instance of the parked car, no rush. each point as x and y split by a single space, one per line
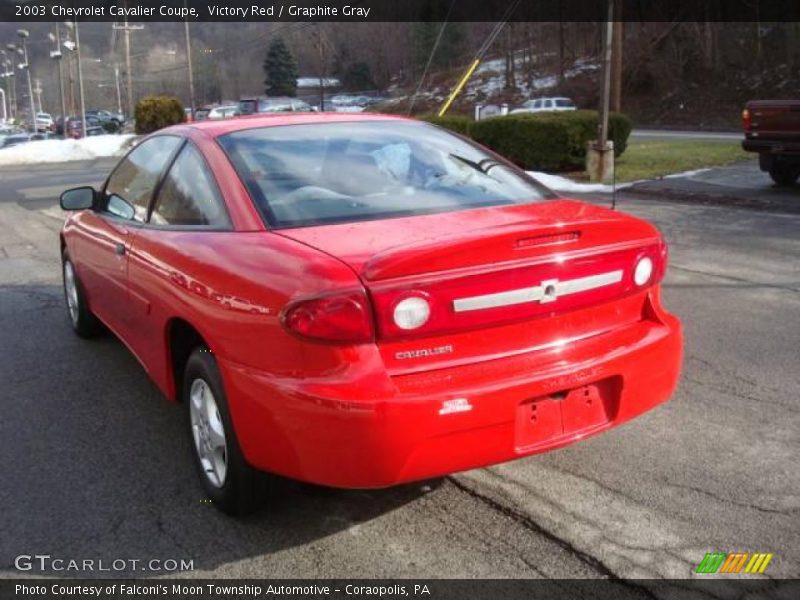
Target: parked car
216 111
349 100
545 105
249 106
75 127
110 121
21 138
44 122
106 116
363 300
223 112
14 139
772 129
6 131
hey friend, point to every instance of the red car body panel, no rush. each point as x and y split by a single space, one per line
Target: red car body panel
479 388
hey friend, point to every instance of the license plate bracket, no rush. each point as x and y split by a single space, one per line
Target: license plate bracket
548 418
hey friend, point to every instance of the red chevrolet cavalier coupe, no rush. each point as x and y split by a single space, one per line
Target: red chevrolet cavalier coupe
359 301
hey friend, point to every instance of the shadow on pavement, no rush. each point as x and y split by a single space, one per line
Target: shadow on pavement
97 463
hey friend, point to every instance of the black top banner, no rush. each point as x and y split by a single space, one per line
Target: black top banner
399 10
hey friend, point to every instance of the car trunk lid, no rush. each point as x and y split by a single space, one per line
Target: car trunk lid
488 274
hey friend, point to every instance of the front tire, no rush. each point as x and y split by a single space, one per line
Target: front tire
233 485
83 322
784 175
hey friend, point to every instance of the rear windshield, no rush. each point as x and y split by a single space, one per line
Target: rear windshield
300 175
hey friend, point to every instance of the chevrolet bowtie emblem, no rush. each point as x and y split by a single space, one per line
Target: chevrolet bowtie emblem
548 290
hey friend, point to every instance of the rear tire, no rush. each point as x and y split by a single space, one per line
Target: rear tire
783 174
83 322
231 484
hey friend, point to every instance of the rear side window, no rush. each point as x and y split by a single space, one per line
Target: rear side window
564 103
131 185
189 194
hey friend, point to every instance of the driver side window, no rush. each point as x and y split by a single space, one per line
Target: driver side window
131 185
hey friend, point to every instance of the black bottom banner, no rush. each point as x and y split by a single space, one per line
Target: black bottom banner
489 589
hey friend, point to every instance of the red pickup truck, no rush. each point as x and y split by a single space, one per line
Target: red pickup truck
772 128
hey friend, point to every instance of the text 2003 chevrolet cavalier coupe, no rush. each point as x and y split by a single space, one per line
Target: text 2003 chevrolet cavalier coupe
359 301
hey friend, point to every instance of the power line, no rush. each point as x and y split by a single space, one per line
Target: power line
487 43
430 58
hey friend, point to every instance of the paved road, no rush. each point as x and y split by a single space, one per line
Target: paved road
741 185
96 464
705 136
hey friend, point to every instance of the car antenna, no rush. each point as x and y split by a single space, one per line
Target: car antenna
614 186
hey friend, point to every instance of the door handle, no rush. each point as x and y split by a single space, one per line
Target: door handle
119 249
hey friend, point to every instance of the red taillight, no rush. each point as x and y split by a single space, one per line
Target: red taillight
338 318
746 122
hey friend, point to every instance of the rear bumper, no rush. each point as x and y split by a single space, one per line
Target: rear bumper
499 410
771 146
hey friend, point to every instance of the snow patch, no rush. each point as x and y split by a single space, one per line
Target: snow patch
56 151
686 174
563 184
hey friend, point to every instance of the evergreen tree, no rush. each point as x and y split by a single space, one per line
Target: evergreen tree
280 69
358 77
450 50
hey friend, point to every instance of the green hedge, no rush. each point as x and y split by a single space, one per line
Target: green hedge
156 112
541 141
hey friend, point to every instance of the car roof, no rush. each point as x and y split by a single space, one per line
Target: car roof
217 128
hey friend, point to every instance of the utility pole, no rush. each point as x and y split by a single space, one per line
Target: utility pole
70 45
126 29
80 78
321 49
11 76
24 34
128 65
38 91
189 61
8 77
116 82
599 153
616 54
56 55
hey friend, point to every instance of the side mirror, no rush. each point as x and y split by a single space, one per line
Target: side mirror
78 198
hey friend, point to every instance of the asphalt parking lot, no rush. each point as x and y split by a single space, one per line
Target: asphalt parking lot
96 464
